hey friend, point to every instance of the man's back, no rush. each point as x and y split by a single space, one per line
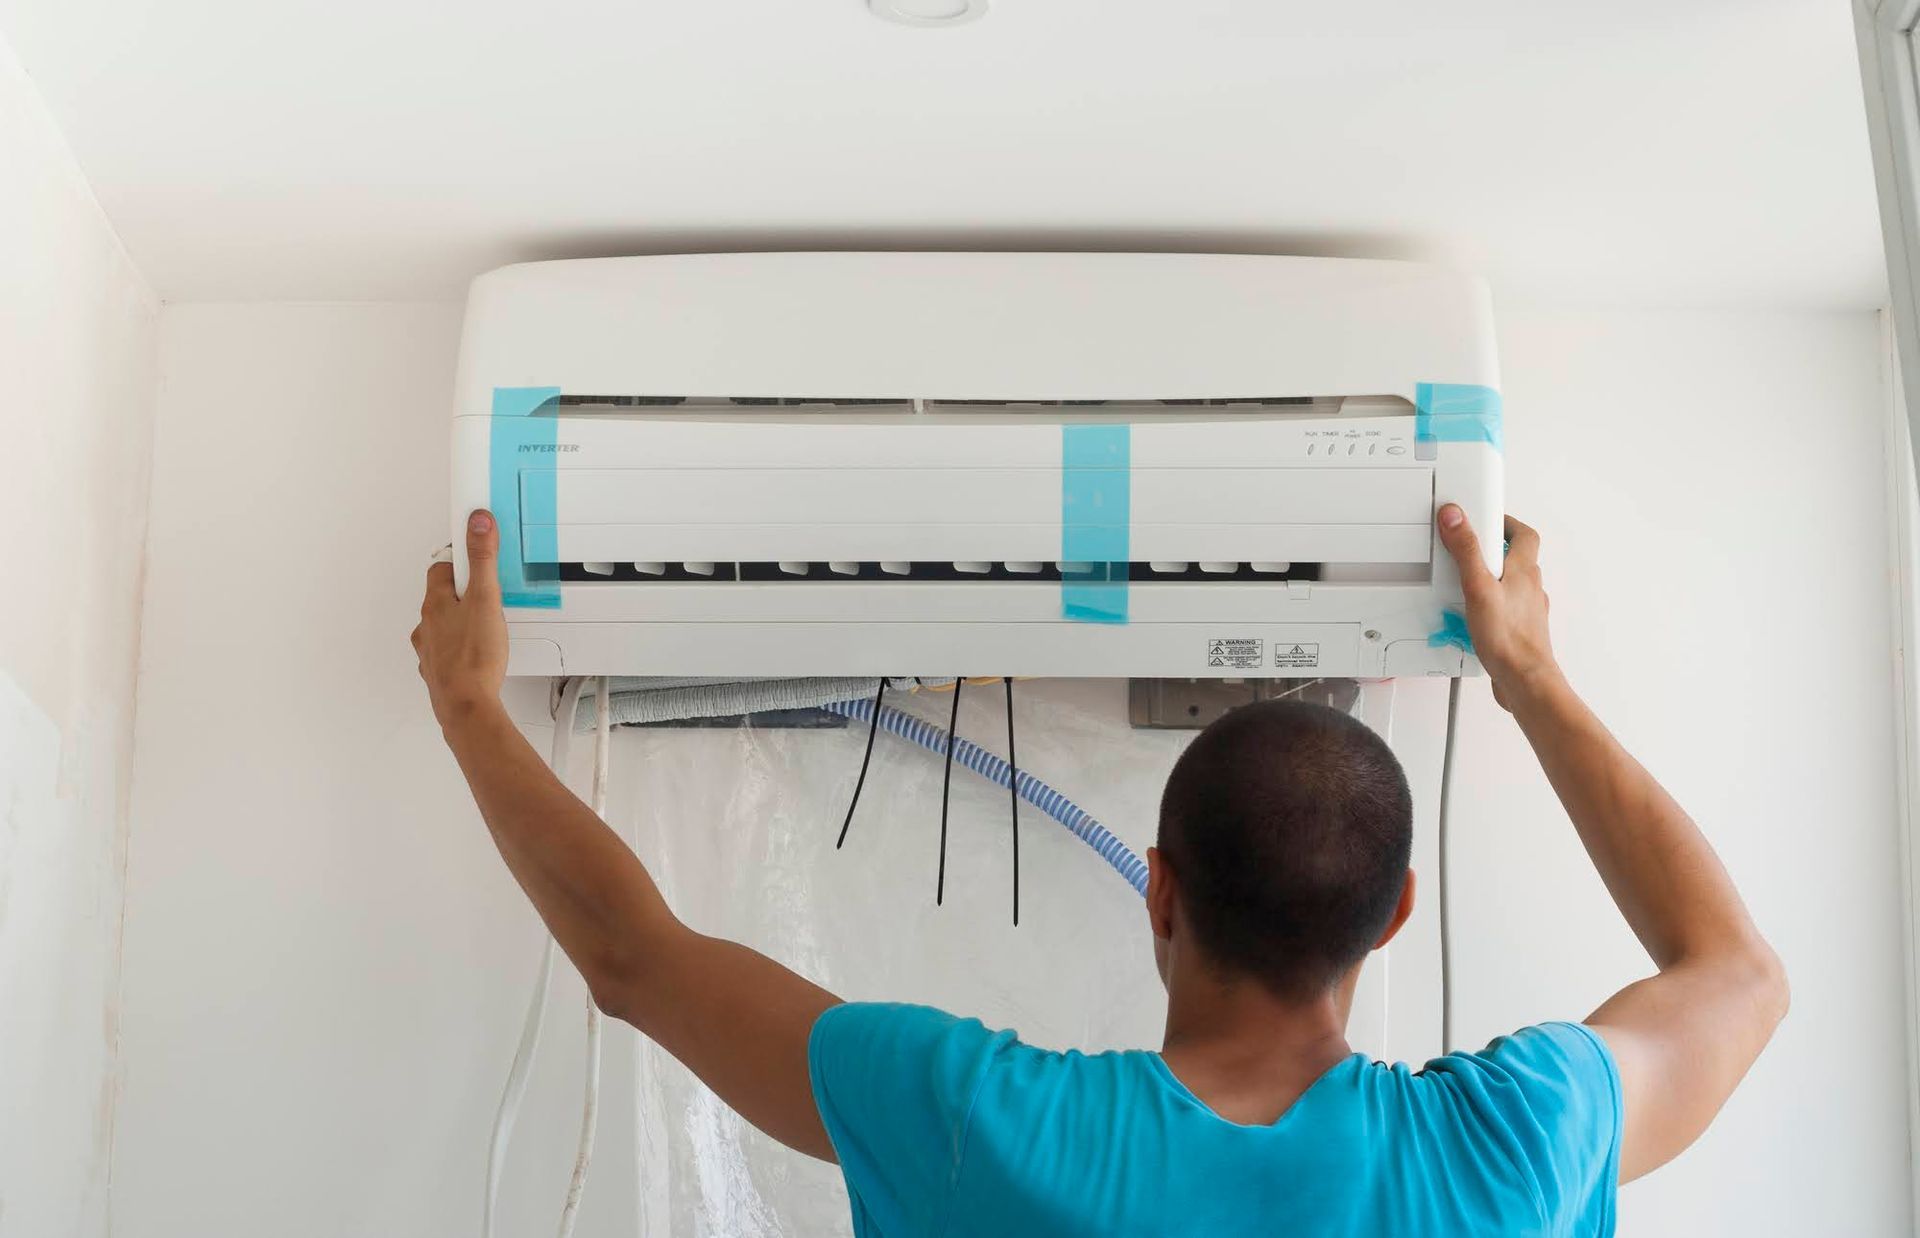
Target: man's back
946 1128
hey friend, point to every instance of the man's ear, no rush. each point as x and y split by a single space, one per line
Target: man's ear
1401 911
1160 894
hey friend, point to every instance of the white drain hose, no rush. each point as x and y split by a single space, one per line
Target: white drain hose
516 1088
590 1107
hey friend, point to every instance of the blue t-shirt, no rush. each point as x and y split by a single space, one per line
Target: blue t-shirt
944 1128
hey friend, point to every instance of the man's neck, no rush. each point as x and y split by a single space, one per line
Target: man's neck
1247 1053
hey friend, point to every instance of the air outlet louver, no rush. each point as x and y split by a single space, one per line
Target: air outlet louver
970 571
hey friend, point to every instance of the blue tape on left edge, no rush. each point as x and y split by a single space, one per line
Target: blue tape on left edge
1095 523
1457 413
1452 631
521 493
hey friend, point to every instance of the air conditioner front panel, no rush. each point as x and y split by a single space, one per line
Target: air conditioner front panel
961 542
953 326
935 495
979 513
806 464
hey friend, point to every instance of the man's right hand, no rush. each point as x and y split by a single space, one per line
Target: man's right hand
1506 614
462 641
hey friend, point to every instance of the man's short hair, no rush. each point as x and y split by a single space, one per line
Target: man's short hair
1288 827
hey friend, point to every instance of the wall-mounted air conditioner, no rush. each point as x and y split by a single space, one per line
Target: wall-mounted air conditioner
1156 465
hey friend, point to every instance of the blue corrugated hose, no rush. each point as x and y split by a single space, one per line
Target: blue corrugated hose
995 770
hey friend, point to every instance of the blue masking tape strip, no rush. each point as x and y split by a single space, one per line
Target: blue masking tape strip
521 492
1456 413
1452 631
1094 524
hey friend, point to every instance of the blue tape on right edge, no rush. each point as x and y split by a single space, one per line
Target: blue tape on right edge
521 493
1456 413
1095 522
1452 631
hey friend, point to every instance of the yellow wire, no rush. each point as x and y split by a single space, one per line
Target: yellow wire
970 682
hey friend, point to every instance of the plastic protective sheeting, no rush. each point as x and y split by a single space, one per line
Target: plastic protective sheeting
738 827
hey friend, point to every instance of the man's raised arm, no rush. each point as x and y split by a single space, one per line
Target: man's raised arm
736 1018
1684 1037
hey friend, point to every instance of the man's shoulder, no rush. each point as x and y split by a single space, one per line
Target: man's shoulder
875 1039
901 1020
914 1021
1551 1053
1546 1100
905 1036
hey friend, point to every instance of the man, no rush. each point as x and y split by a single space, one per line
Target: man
1284 837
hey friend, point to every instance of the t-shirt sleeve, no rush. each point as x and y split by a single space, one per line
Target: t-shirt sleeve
1554 1093
894 1085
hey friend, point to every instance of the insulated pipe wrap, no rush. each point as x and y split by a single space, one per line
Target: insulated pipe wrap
996 770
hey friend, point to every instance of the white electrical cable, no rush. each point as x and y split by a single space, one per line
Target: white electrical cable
590 1107
1446 933
516 1088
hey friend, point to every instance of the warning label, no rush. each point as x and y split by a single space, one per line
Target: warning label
1299 655
1241 653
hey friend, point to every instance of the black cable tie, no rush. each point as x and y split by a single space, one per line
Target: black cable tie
1013 798
946 790
873 729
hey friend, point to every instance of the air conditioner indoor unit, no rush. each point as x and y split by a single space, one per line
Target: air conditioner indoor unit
1155 465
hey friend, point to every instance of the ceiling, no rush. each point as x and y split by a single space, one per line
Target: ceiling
1637 151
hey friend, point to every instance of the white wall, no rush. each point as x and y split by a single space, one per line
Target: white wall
77 331
1710 489
326 962
313 917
